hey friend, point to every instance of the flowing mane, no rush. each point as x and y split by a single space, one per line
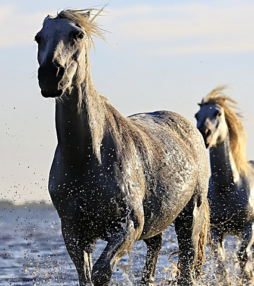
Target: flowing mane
82 17
86 19
237 132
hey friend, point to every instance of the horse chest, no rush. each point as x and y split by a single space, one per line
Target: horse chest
93 206
229 207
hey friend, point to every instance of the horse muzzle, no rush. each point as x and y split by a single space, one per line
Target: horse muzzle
207 136
48 93
50 77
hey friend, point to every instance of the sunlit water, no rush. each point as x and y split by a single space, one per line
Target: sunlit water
32 252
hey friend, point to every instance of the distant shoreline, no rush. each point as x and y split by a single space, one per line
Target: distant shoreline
10 204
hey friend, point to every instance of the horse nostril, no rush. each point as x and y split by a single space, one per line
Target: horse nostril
208 132
60 72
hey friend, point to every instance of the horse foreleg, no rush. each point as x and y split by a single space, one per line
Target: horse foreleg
244 253
80 254
219 257
153 248
119 244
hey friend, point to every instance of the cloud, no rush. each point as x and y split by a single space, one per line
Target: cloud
17 28
216 27
185 29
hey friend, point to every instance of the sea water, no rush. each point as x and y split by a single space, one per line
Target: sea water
32 252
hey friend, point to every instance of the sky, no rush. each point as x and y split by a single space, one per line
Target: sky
157 55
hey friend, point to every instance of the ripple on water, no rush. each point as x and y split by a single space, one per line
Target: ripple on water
32 253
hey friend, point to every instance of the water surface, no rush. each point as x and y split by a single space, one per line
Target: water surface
32 252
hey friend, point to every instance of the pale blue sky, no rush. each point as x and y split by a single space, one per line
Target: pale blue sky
158 55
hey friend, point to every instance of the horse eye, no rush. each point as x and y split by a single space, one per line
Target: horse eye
218 114
77 35
80 35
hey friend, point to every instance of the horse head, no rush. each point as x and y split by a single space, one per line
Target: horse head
212 124
62 44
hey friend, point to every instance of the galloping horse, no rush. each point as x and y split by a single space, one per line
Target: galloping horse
115 178
231 187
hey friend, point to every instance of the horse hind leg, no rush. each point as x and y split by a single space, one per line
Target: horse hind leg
244 254
191 230
153 248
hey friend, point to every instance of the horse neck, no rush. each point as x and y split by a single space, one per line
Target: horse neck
80 122
223 167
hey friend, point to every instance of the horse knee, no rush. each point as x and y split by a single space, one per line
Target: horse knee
119 244
154 243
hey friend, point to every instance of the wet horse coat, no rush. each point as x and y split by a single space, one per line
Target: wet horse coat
115 178
231 187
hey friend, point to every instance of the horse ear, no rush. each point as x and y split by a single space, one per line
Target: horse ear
47 18
202 103
87 14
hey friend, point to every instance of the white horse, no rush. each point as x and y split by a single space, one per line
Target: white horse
231 188
115 178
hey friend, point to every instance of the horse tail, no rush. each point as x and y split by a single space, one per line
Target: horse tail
203 235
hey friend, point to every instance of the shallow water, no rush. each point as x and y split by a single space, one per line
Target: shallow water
32 252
